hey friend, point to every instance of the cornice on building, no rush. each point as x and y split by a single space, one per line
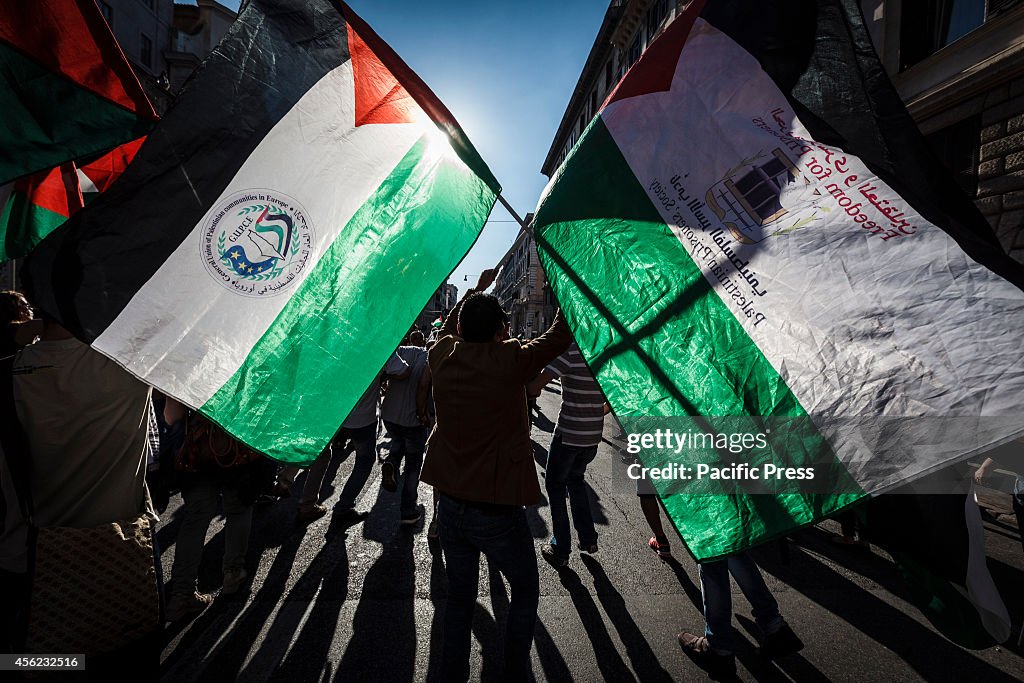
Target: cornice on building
986 57
591 71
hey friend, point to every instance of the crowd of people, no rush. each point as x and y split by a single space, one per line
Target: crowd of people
82 436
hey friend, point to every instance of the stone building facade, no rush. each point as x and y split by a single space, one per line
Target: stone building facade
959 67
195 32
523 289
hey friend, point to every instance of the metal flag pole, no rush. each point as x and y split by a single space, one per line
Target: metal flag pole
520 221
524 227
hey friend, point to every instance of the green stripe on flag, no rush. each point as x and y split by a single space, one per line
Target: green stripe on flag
336 332
23 225
641 308
50 119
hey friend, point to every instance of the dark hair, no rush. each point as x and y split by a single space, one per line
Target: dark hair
11 307
481 317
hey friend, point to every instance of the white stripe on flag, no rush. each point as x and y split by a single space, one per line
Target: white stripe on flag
313 154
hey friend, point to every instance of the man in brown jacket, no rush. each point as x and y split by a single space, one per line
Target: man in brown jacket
480 459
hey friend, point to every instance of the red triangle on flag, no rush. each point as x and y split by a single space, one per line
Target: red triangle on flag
380 98
109 167
656 68
55 190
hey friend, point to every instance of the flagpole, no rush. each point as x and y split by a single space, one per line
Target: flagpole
524 227
520 221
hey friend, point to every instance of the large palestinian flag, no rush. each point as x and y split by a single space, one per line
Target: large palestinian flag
66 90
278 231
753 227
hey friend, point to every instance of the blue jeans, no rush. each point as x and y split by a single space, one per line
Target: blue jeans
365 440
408 442
565 470
503 536
714 585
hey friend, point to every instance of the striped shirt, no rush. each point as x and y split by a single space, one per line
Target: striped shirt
581 418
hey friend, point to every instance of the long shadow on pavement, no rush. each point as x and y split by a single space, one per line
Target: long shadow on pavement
223 660
796 668
383 641
1008 579
610 663
438 596
317 598
915 644
641 656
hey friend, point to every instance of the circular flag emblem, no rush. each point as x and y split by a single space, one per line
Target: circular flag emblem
257 242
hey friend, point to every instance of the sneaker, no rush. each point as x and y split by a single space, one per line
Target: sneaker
549 553
719 667
183 605
780 644
387 477
434 530
661 549
410 518
590 548
308 515
350 515
233 580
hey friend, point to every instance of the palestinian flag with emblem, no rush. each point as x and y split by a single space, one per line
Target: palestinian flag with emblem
278 231
753 231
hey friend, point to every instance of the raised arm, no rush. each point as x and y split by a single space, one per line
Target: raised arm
537 353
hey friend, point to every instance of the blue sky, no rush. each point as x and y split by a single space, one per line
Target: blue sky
506 70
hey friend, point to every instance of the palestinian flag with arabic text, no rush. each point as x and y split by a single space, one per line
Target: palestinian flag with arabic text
752 231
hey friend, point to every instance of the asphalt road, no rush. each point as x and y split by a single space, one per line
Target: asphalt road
364 603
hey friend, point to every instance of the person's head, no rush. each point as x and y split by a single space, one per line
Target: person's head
416 338
14 307
482 319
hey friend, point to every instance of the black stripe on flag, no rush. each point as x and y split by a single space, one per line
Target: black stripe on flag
820 55
87 271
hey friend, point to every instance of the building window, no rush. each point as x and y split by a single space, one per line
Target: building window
634 50
145 50
583 122
593 102
108 14
929 25
608 75
957 148
655 16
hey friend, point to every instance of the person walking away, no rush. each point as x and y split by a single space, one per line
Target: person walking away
212 467
715 650
577 434
408 434
360 426
480 458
